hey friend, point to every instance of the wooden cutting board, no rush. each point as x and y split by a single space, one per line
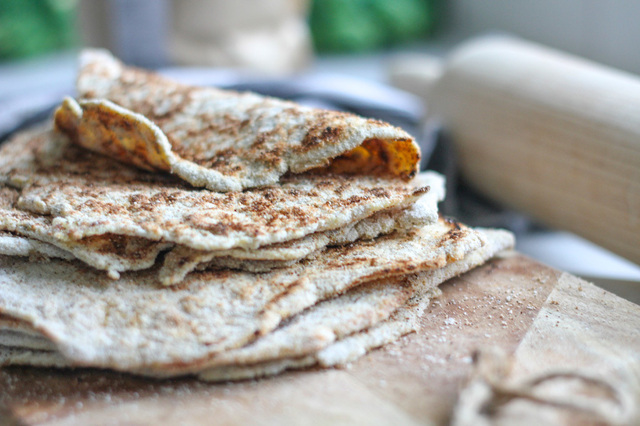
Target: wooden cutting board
544 317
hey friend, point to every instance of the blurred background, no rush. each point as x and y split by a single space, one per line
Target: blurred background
155 33
340 54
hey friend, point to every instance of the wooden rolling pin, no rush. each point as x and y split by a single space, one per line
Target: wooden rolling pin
541 131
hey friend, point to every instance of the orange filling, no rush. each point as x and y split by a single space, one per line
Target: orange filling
377 157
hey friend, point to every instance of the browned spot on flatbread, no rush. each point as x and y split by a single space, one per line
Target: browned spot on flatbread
455 232
321 133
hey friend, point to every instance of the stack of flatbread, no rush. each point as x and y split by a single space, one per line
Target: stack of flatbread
163 230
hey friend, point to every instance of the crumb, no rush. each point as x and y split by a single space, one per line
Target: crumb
450 321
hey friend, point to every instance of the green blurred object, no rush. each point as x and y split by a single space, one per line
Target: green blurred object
360 25
31 27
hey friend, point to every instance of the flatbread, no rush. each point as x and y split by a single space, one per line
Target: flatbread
15 245
324 334
13 338
86 194
304 333
222 140
15 355
403 321
246 372
117 253
350 347
182 260
315 328
33 235
423 211
134 323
